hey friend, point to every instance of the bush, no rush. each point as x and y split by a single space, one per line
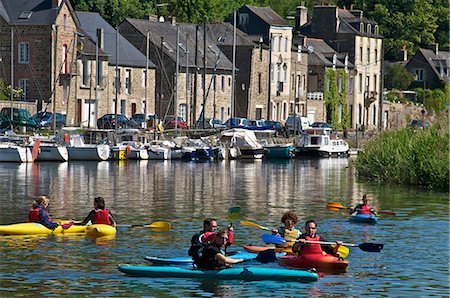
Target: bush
409 157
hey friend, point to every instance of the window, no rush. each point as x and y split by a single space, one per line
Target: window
24 53
143 78
123 107
23 84
259 83
222 86
375 87
418 73
271 73
65 68
214 82
369 28
339 83
360 54
376 56
360 83
374 115
182 111
285 73
128 81
279 43
117 80
85 71
367 83
100 74
286 46
65 21
278 72
368 55
243 19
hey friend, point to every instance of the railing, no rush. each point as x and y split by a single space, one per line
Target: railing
315 95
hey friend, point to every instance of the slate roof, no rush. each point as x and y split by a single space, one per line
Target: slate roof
322 54
268 16
41 12
442 60
168 31
224 32
128 55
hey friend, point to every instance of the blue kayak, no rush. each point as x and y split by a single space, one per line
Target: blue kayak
247 256
239 273
364 218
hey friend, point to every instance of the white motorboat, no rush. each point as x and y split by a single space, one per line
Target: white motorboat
318 141
14 153
78 150
49 150
245 141
135 151
156 150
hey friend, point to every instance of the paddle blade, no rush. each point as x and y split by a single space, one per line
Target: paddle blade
66 226
274 239
234 213
333 206
252 224
371 247
387 212
343 251
333 209
161 226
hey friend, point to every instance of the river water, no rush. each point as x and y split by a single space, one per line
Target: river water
414 262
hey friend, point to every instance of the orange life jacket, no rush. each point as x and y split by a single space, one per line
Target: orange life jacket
101 217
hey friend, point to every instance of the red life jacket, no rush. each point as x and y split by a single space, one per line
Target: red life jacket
33 214
101 217
364 209
312 248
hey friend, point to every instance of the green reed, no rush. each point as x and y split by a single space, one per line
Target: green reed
409 157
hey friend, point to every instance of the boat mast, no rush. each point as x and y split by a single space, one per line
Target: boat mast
233 72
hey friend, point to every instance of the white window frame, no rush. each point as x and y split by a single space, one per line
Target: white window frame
24 53
419 74
24 84
128 81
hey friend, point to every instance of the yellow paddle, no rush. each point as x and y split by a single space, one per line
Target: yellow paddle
337 207
343 251
159 226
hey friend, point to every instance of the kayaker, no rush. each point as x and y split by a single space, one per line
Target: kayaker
302 247
208 233
211 256
100 215
38 213
288 231
363 208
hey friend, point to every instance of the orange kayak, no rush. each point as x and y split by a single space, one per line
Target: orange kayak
321 262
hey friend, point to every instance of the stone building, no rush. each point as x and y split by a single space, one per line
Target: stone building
277 35
349 32
40 34
204 73
133 95
252 68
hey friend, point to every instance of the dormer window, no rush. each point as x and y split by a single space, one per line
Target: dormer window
243 19
369 29
361 27
375 30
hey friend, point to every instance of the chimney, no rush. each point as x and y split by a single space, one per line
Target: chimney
301 16
404 53
101 38
151 17
56 3
434 47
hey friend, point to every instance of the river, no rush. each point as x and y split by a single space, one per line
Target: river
414 262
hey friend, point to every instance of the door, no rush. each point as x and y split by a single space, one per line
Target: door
88 118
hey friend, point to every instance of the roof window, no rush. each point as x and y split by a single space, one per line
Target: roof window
25 15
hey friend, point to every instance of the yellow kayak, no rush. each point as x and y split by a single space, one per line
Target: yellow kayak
98 230
33 228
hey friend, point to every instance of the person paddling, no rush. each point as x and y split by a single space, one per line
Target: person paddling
100 215
302 247
363 208
288 231
211 256
38 213
207 234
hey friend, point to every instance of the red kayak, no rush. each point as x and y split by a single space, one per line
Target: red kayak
322 263
257 249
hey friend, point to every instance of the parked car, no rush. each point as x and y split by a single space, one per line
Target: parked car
278 127
109 121
21 117
171 123
257 125
320 125
139 118
45 119
298 122
237 122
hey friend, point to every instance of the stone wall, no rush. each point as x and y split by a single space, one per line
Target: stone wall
399 115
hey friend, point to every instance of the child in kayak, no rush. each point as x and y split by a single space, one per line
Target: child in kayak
38 213
211 256
363 208
288 231
100 215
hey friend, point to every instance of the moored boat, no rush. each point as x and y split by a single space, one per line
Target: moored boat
236 273
14 153
321 262
364 218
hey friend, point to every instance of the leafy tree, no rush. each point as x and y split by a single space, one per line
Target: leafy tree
397 77
435 101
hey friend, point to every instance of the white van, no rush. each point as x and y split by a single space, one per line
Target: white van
301 123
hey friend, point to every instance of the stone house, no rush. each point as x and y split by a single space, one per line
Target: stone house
277 35
204 73
135 90
252 68
349 32
40 34
430 67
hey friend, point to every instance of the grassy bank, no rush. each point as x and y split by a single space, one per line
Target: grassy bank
408 157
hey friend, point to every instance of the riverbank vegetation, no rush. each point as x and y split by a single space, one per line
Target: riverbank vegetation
409 156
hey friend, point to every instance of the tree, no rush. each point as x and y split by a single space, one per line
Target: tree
397 77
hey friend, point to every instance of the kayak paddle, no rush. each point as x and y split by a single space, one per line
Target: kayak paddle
234 213
252 224
160 226
370 247
337 207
